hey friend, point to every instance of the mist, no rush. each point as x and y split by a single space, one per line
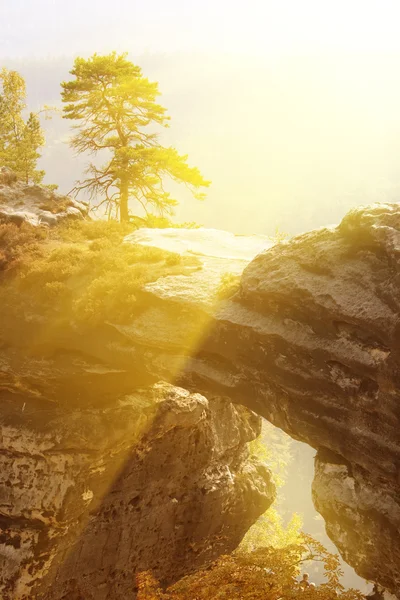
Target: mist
289 141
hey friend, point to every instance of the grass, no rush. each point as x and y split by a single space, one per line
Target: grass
85 273
83 231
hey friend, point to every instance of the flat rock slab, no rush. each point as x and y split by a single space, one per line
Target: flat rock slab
219 253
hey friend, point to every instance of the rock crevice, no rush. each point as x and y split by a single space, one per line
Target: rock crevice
159 479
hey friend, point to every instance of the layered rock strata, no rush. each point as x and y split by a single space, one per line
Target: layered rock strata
158 478
310 341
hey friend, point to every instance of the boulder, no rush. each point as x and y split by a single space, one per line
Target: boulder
35 204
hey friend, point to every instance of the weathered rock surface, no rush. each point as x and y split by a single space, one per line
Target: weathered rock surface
311 342
100 478
362 517
35 204
158 478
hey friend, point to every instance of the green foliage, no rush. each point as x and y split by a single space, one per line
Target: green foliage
51 186
279 236
18 242
85 273
116 111
228 286
82 231
270 530
273 448
264 574
20 140
32 140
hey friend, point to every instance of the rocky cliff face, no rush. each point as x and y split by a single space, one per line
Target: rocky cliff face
311 342
158 479
362 517
105 472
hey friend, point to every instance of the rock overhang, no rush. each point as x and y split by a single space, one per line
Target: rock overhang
310 341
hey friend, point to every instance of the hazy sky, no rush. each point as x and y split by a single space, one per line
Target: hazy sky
59 27
290 107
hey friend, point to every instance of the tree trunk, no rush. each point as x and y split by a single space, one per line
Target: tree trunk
123 201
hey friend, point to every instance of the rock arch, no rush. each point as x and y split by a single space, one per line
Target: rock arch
309 340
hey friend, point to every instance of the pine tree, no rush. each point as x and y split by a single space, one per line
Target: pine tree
20 140
12 103
117 113
32 140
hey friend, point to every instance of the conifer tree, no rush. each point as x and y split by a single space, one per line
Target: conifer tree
20 140
32 140
117 114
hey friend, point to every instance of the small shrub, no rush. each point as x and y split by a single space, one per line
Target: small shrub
18 243
279 236
85 230
173 259
90 281
264 574
51 186
228 286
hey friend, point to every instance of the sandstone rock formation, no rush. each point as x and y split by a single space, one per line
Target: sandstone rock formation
35 204
158 478
100 478
362 517
311 342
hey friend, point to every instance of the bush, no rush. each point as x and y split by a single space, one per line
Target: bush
228 286
92 277
265 574
18 243
82 231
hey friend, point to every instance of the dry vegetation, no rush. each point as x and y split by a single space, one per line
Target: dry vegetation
264 574
18 243
82 271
